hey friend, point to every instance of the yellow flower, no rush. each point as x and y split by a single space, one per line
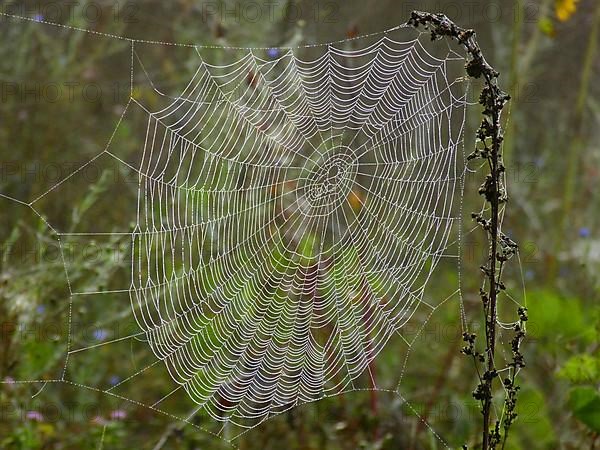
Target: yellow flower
565 9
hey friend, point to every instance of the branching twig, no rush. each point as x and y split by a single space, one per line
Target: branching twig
501 248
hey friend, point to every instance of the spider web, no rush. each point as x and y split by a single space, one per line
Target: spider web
292 207
290 213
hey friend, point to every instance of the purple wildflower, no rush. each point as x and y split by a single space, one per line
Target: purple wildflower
36 416
98 420
118 414
529 275
100 334
273 52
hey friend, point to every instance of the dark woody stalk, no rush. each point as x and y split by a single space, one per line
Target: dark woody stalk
501 248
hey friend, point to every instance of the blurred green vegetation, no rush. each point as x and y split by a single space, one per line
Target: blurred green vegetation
547 53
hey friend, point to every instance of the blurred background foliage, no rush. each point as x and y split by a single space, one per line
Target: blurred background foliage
546 51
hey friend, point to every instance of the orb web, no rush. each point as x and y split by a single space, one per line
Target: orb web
291 210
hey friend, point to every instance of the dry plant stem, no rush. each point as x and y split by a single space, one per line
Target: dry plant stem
490 137
490 328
